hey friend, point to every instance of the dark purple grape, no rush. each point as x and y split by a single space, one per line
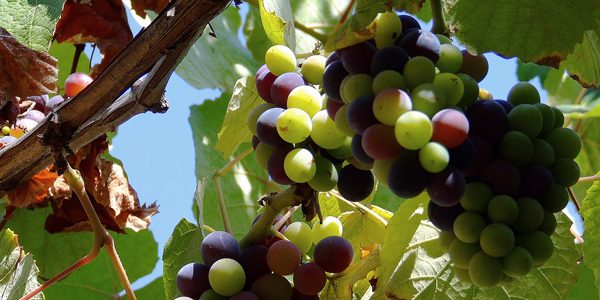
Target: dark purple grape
421 43
389 58
266 127
272 287
261 70
254 261
309 279
53 102
482 158
447 187
275 165
408 22
255 142
35 115
360 114
244 295
40 102
333 57
298 296
334 254
474 65
355 184
332 107
462 156
443 217
536 181
192 280
379 142
357 58
488 120
503 177
217 245
264 82
283 86
332 79
505 104
407 178
358 151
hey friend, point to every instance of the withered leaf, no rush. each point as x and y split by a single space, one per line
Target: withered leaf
140 6
33 191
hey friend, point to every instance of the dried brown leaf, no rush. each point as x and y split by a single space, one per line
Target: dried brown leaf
33 191
140 6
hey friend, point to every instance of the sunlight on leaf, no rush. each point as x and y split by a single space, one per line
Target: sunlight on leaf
278 22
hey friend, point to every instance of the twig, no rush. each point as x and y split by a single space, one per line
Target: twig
346 13
285 217
361 208
78 49
439 25
589 178
574 198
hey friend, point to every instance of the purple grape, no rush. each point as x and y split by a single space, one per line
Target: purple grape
389 58
360 114
488 120
266 127
443 217
357 58
482 158
334 254
536 181
408 22
332 79
421 43
254 261
355 184
462 156
358 151
407 178
40 102
217 245
192 280
283 86
264 82
275 165
503 177
334 56
447 187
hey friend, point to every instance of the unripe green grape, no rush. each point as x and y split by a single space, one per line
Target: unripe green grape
523 93
517 263
342 152
556 199
543 153
516 147
381 169
434 157
559 117
299 234
331 227
476 197
387 29
566 142
263 153
547 117
462 274
548 223
527 119
255 113
468 226
226 277
355 86
324 133
389 104
450 58
413 130
428 99
299 165
538 244
531 215
388 79
443 39
306 98
484 270
212 295
565 172
294 125
280 59
419 70
325 177
503 209
451 86
446 238
313 68
341 122
471 91
461 253
497 240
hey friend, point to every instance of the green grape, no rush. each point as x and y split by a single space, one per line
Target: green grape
255 113
497 240
324 132
523 93
559 117
565 172
388 79
325 177
443 39
556 199
450 58
462 274
527 119
548 223
516 147
419 70
299 234
531 215
452 87
434 157
566 142
341 122
294 125
538 244
461 252
471 91
6 129
543 153
342 152
226 277
413 130
476 197
484 270
503 209
428 99
387 29
381 169
280 59
313 68
299 165
355 86
547 117
306 98
517 263
331 227
468 226
446 238
389 104
262 154
211 295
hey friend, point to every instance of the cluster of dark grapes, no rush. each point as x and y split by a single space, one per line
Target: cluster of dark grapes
257 272
17 120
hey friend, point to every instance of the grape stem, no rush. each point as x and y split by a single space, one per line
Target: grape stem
439 25
574 198
589 178
361 208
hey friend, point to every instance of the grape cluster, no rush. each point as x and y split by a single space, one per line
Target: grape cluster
257 272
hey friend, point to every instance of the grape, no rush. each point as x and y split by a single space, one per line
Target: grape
485 271
413 130
299 234
388 79
476 197
556 198
543 153
559 118
226 277
299 165
434 157
503 209
184 298
334 254
309 279
262 154
313 68
564 141
527 119
283 257
461 253
392 58
333 57
192 280
523 93
548 223
565 172
531 215
341 122
471 91
451 86
357 58
535 181
39 101
517 263
35 115
360 114
488 120
261 70
444 40
428 99
266 127
450 58
53 102
468 226
389 104
547 117
272 287
332 79
253 260
462 274
409 22
446 238
276 165
516 147
497 240
475 66
503 177
355 86
283 86
505 104
421 43
388 28
538 244
407 178
332 107
381 170
326 176
450 127
359 165
294 125
255 142
306 98
75 83
280 59
324 132
264 82
5 130
378 142
244 295
217 245
462 156
418 70
443 217
358 151
481 160
355 184
447 187
340 153
298 296
331 226
212 295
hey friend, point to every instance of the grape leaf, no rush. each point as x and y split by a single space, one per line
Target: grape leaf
30 21
278 22
34 190
234 130
584 61
256 37
590 209
153 290
140 6
544 32
322 15
18 272
183 247
561 88
64 53
529 71
585 288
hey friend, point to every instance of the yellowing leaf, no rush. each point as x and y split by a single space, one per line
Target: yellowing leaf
278 21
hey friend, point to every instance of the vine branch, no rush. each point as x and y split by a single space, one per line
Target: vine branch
439 25
589 178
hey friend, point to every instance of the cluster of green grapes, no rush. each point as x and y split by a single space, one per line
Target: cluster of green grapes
257 272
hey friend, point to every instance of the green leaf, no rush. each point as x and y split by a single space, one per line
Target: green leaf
561 88
218 62
533 31
153 290
96 280
18 272
584 61
590 210
256 38
234 130
183 247
31 22
278 22
529 71
585 288
64 53
324 15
